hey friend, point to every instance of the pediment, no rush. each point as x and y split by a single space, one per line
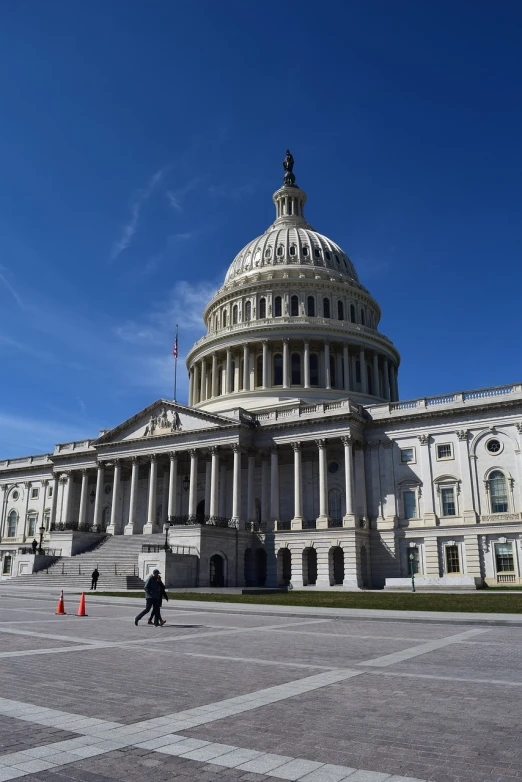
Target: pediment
163 418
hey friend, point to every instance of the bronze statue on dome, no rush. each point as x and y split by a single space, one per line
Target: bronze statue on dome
288 165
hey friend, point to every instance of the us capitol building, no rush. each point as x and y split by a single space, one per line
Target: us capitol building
295 461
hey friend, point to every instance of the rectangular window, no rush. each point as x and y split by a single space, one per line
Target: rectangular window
407 455
504 557
11 527
447 497
444 451
32 526
410 504
452 559
35 493
6 569
50 491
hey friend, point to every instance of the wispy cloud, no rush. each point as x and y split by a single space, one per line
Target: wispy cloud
177 196
23 435
233 192
140 198
10 288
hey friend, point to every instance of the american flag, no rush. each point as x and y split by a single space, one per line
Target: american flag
175 348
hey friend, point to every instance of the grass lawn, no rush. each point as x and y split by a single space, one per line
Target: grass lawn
403 601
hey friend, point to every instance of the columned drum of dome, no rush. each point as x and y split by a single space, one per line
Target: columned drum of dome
291 321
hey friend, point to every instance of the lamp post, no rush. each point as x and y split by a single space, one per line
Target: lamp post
41 530
185 483
92 496
412 570
166 527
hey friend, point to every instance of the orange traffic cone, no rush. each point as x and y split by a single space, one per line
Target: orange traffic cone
81 607
61 606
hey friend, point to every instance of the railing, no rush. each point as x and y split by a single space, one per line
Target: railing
483 392
255 526
47 552
64 526
309 524
335 523
209 521
440 400
446 399
283 525
506 578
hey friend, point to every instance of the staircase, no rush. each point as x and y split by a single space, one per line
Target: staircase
116 558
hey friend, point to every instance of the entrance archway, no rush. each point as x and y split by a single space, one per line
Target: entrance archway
261 567
249 567
217 571
284 566
200 512
309 567
336 557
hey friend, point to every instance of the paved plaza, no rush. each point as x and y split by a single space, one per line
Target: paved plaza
237 693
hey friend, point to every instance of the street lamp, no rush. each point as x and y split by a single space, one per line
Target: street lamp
412 570
41 530
166 527
92 496
186 483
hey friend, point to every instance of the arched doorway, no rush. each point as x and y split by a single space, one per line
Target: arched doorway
284 566
336 565
249 567
309 567
200 512
364 567
261 566
217 571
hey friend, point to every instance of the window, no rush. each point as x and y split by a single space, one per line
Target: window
50 491
317 252
340 310
12 520
296 369
362 317
333 467
337 260
493 446
32 526
504 558
335 505
314 369
410 504
15 495
280 251
224 318
294 306
498 492
326 308
248 310
278 369
277 307
310 306
46 518
352 313
444 451
34 493
268 252
407 455
259 371
292 250
327 255
234 314
6 569
262 308
305 251
452 559
447 499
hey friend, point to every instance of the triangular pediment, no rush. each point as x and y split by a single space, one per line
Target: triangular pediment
164 418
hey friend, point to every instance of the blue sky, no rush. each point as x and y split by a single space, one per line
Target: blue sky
140 144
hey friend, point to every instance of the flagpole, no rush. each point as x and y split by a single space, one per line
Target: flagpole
176 362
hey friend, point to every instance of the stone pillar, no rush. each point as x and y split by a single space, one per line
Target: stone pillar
322 519
246 368
195 384
130 527
297 521
466 501
172 505
67 502
265 482
376 383
431 553
251 488
214 483
360 480
112 528
346 368
323 565
191 385
286 363
306 367
427 480
82 517
349 516
228 372
193 486
151 525
472 561
164 497
214 375
274 486
265 364
208 483
388 483
251 370
327 378
98 502
54 499
203 389
386 379
236 486
296 550
364 373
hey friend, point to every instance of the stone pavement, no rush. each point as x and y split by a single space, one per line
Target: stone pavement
225 694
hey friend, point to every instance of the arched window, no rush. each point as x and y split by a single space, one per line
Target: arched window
340 310
310 306
234 314
224 318
326 308
259 370
296 369
327 254
352 313
317 252
294 306
278 369
262 308
292 250
338 262
277 307
362 317
248 311
333 376
280 251
12 520
498 492
268 252
305 251
314 369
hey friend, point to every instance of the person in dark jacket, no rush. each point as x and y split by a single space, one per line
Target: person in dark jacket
152 598
163 595
34 545
94 578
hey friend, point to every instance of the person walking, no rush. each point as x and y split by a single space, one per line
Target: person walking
152 598
34 545
163 595
94 578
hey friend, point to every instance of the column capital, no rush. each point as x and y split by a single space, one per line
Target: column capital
116 462
153 458
265 455
100 465
173 455
64 476
27 484
373 445
347 440
265 341
236 447
193 453
84 471
321 443
274 448
462 434
251 453
286 340
358 445
213 449
424 439
134 459
45 482
296 447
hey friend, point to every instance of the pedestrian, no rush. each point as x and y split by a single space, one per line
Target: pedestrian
152 598
34 544
94 578
163 595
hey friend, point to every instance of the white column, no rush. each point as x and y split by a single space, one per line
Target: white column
376 384
208 479
172 507
360 482
164 497
274 486
297 521
112 528
203 389
82 518
251 495
214 482
466 500
388 483
306 365
246 368
286 363
228 372
68 498
191 388
353 373
349 516
322 519
346 368
427 480
193 487
195 384
251 370
386 379
236 485
265 482
265 364
214 375
54 499
327 378
151 526
130 526
364 373
99 496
